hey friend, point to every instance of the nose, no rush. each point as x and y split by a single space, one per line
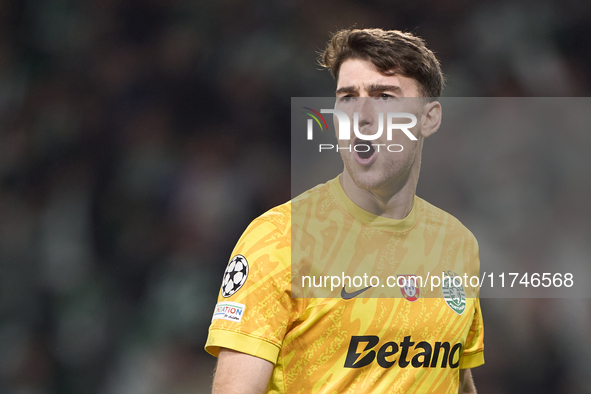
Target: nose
366 110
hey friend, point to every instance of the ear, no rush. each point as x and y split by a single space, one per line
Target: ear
431 119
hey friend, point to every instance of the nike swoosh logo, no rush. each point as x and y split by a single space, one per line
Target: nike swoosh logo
347 296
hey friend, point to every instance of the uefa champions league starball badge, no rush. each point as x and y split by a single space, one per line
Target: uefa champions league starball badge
235 275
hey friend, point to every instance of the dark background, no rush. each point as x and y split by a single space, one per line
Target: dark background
139 138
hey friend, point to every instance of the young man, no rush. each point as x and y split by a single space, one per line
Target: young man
268 341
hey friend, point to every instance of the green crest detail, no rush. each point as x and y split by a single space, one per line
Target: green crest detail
454 295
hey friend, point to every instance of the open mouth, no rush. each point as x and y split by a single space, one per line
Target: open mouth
364 150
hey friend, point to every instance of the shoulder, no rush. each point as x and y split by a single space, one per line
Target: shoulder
280 217
434 216
267 231
266 242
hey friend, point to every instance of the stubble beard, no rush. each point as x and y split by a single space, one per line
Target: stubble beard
391 177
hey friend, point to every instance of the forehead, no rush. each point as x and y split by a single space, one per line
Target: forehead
361 74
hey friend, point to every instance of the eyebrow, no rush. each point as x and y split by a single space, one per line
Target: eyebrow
373 88
347 89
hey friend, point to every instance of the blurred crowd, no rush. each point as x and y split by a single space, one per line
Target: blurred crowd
139 138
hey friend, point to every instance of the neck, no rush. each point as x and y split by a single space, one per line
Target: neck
393 201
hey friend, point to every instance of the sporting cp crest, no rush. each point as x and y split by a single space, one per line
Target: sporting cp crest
453 292
409 289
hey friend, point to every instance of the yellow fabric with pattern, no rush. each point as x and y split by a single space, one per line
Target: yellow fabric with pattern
358 345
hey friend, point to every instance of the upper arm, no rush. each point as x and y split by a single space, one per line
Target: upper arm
241 373
472 352
253 311
466 382
254 305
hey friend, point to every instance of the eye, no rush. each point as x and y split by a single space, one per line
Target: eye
386 97
346 99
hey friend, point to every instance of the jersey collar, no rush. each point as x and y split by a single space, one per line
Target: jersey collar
369 218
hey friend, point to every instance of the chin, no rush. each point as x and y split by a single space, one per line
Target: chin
382 177
369 181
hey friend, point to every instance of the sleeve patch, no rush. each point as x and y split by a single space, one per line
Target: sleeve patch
227 310
235 275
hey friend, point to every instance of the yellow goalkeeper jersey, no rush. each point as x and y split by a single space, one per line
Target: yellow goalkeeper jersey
356 338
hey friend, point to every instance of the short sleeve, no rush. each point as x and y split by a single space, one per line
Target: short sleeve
254 304
473 354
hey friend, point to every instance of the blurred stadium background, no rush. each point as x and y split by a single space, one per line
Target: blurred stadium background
139 138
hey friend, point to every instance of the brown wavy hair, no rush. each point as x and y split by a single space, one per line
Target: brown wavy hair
391 51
